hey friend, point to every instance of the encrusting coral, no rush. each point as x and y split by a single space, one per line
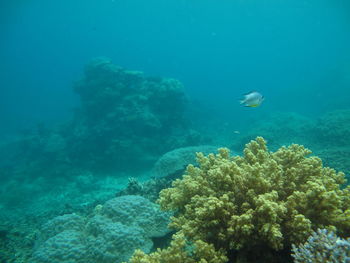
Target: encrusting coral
262 201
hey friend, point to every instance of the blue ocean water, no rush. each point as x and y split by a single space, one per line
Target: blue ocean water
295 52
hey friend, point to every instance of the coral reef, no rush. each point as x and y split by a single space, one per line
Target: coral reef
279 128
263 200
333 129
124 115
126 121
42 151
64 168
109 235
331 133
16 240
322 247
337 157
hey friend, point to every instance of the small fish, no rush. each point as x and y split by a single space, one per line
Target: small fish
252 99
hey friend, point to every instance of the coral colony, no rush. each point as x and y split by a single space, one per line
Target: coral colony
262 202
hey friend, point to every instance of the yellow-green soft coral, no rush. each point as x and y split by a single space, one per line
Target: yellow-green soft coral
177 252
264 198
